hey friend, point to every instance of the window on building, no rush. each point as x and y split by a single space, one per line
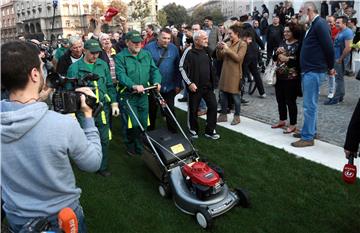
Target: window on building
67 23
77 23
247 7
66 9
75 10
12 10
86 9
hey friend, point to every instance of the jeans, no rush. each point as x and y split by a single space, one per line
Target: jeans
54 221
311 83
224 102
340 84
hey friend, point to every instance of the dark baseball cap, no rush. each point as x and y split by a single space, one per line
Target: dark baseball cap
92 45
134 36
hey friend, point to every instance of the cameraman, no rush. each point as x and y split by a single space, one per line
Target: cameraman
37 178
105 93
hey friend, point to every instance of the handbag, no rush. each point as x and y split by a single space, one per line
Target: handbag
270 74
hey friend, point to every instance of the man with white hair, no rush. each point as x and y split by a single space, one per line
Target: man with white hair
316 60
199 74
74 54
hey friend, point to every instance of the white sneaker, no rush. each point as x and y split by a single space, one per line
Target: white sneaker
213 136
331 95
263 96
193 134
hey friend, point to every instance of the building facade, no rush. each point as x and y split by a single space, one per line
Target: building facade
8 21
38 19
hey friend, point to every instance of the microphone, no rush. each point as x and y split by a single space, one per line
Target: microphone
68 221
349 171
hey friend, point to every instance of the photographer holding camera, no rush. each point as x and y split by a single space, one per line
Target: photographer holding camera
37 177
104 90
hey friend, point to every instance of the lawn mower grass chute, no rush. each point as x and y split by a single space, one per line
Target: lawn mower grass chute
196 186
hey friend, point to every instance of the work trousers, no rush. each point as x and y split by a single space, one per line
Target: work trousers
153 107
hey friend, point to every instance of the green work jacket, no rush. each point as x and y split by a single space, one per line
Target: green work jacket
104 88
136 70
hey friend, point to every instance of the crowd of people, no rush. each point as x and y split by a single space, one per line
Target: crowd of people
207 64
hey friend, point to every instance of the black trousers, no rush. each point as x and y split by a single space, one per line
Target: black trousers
250 66
269 52
286 94
194 101
153 107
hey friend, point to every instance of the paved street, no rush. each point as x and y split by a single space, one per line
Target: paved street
332 120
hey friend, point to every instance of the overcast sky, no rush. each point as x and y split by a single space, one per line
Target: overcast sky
185 3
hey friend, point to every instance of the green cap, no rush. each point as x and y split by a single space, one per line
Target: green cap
92 45
134 36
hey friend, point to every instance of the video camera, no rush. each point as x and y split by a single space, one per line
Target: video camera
65 99
48 51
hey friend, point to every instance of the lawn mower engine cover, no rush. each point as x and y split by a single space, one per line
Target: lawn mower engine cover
202 180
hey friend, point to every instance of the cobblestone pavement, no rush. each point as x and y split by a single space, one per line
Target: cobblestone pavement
333 120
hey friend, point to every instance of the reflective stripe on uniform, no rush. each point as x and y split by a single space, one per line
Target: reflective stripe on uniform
107 97
110 135
129 123
122 90
103 117
97 91
148 121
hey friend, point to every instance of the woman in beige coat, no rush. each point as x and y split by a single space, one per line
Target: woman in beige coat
232 53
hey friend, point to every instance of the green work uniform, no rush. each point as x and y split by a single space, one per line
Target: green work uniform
60 52
135 70
105 92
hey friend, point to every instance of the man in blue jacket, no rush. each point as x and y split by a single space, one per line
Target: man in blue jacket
37 144
166 56
316 60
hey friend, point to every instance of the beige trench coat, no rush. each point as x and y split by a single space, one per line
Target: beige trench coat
231 72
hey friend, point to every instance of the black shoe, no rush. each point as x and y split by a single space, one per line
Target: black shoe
244 101
104 173
331 101
183 99
212 135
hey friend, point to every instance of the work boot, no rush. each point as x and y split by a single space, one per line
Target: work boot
302 143
222 118
236 120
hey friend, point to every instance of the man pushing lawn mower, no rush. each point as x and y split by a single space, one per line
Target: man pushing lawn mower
135 70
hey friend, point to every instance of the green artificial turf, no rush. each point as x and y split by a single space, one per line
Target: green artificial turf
288 194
